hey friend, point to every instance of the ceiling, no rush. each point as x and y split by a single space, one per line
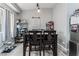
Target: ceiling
30 6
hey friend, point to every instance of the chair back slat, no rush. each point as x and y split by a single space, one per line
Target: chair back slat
49 35
35 34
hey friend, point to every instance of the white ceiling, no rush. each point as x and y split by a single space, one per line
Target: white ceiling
29 6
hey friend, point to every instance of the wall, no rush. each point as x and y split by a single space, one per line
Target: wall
45 16
61 25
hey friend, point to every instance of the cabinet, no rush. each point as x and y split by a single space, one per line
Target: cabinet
72 48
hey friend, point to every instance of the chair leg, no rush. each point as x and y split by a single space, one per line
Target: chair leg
55 51
40 50
29 50
52 49
35 47
43 50
24 50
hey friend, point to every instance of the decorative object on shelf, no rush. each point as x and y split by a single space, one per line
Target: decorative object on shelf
50 25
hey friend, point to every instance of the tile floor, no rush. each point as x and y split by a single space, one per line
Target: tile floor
18 51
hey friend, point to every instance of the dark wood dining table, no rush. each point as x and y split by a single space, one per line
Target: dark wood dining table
26 35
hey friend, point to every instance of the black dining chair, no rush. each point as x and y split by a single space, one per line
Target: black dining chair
48 41
25 43
36 40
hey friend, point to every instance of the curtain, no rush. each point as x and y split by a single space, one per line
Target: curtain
2 25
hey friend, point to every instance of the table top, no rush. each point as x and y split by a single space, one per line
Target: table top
45 32
40 33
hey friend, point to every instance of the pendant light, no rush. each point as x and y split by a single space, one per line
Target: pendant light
38 9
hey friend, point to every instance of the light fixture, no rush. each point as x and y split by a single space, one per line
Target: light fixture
38 9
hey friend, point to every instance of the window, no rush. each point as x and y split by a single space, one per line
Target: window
11 23
1 12
2 25
2 18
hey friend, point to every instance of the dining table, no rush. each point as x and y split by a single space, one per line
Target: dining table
29 34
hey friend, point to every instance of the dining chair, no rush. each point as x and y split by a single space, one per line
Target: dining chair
36 40
48 41
25 43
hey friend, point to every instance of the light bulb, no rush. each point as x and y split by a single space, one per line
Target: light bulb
38 10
